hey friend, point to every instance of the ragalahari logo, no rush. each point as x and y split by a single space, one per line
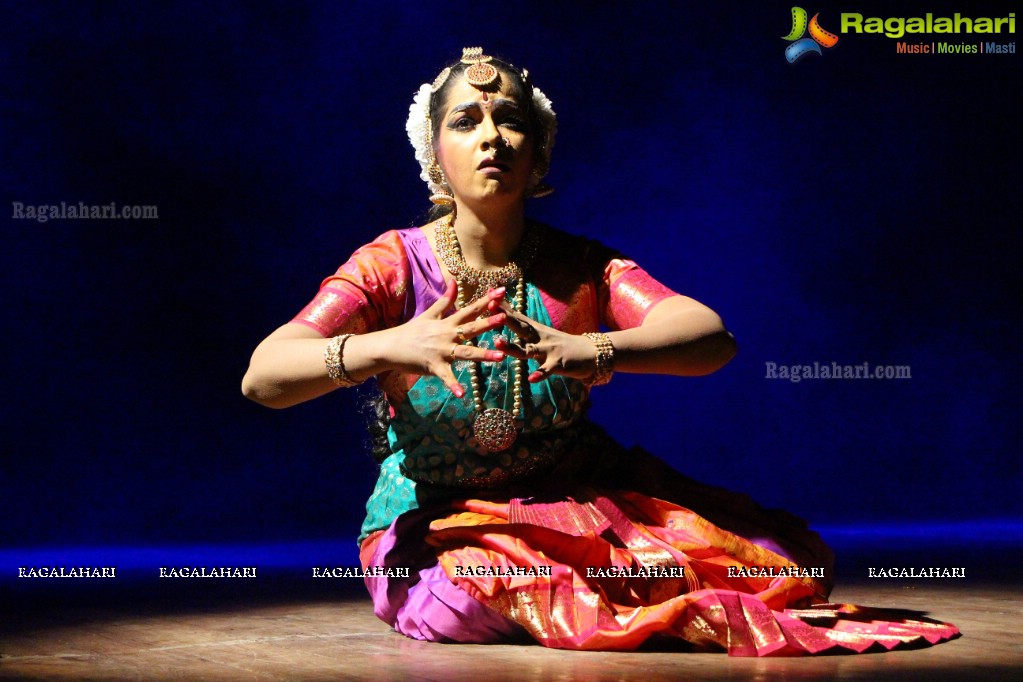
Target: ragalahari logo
802 46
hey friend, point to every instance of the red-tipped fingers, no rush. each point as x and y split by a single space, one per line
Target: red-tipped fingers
456 389
476 308
473 354
472 329
493 322
522 326
493 297
510 348
445 374
544 371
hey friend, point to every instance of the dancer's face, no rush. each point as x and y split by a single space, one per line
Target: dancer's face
485 146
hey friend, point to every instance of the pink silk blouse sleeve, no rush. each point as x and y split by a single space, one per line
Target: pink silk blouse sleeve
628 293
367 292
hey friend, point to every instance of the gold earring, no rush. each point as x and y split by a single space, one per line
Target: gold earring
442 197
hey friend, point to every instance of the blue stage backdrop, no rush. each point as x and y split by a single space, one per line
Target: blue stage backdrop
860 205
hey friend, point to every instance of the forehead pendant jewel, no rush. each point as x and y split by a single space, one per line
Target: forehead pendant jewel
481 73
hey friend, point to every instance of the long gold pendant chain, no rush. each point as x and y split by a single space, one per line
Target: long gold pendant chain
494 428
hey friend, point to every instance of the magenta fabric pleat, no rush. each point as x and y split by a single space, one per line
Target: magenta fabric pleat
428 606
427 279
438 611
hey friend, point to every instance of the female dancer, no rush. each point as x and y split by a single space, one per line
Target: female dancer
517 516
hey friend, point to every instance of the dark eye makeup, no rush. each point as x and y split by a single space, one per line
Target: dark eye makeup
469 115
462 123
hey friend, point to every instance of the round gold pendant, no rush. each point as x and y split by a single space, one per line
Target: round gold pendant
495 429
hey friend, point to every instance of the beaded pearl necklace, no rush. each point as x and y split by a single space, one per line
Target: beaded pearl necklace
494 428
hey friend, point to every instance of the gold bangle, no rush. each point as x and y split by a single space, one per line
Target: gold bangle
605 358
334 357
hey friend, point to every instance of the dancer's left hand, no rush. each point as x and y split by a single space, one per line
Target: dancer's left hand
569 355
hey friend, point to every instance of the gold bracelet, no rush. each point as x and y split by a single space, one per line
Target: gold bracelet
605 358
334 357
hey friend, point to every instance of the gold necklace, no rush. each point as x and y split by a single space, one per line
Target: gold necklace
494 428
484 280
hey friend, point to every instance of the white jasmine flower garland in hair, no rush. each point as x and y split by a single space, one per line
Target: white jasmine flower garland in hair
418 128
549 121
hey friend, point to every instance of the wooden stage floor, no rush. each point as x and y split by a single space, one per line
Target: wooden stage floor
335 636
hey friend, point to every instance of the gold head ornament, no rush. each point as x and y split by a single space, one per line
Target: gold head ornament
481 73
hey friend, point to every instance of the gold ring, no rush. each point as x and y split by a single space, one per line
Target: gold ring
532 350
461 334
453 347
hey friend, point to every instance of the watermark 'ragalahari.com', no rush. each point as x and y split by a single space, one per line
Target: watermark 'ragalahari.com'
42 213
834 370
